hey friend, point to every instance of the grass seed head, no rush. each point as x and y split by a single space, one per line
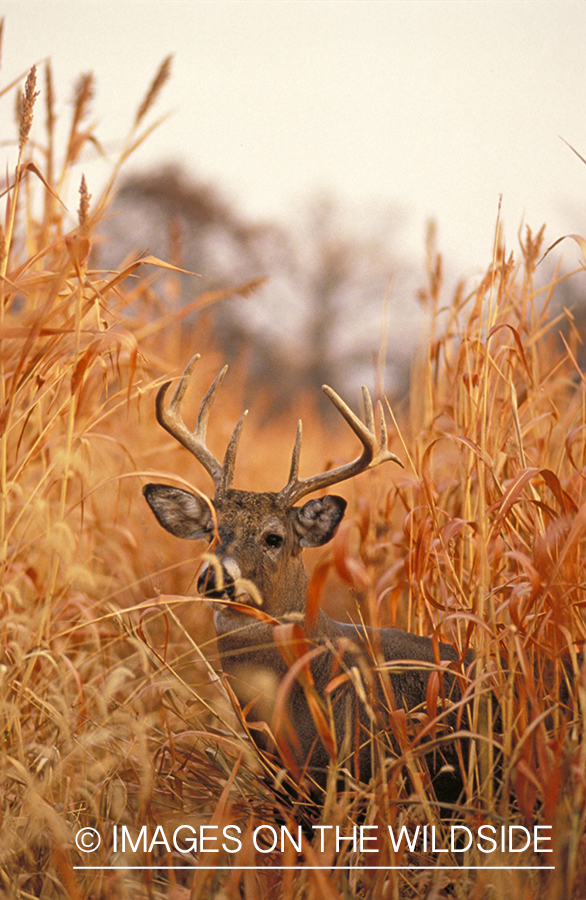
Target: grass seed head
84 203
84 92
159 80
50 98
27 106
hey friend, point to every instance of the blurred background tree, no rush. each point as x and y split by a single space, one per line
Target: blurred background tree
338 304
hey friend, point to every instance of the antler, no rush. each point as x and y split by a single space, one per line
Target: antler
375 450
194 441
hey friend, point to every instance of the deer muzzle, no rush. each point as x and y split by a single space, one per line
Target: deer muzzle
221 580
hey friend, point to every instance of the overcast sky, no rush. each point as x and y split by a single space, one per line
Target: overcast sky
438 107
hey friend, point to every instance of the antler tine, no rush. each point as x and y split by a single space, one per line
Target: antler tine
382 447
294 471
171 420
375 450
366 402
230 458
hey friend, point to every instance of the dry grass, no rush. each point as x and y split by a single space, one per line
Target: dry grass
112 714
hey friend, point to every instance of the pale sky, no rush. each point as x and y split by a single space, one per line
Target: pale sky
438 107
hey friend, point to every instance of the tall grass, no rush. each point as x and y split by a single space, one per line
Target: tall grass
112 710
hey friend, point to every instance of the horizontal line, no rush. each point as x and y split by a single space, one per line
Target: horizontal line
316 868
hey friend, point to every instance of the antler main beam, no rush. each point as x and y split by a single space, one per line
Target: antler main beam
195 441
375 450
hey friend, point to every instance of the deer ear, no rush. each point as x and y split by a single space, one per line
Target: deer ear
315 523
183 514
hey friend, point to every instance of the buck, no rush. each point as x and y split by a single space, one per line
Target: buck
298 675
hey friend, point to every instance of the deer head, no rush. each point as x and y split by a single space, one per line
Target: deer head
257 538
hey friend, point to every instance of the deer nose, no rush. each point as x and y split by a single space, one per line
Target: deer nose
218 581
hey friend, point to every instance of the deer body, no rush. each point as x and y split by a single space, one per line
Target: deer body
258 585
256 668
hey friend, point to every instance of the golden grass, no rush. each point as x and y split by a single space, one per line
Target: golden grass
111 711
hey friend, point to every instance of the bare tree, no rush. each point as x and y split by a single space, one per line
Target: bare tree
334 290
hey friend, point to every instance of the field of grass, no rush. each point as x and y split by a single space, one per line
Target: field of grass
113 715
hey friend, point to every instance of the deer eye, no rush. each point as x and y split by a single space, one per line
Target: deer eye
273 540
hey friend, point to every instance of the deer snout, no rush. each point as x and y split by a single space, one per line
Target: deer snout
217 579
221 579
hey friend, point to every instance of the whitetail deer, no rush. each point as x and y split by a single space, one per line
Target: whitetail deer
258 583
